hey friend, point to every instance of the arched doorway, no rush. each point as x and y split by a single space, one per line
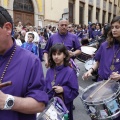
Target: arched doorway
24 12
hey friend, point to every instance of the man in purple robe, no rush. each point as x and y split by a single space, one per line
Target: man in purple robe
108 57
25 97
63 36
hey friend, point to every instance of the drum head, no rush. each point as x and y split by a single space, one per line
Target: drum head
88 50
89 63
107 91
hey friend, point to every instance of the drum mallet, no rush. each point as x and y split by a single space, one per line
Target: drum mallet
100 87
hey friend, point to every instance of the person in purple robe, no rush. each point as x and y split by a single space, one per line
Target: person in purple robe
79 33
29 45
26 96
97 32
68 39
63 36
91 29
108 56
61 79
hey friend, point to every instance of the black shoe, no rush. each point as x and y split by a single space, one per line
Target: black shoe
73 107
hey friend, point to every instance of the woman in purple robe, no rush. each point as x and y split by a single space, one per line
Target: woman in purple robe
61 79
108 56
97 32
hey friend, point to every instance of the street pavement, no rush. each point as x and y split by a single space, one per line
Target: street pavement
79 113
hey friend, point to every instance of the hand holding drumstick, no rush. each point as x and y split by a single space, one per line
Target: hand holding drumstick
115 76
100 88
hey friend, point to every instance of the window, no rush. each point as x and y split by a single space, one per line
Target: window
90 13
81 13
23 5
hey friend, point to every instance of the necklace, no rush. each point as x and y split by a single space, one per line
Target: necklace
5 69
54 79
112 67
63 38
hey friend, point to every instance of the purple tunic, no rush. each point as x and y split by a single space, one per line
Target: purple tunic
96 33
105 56
25 72
66 78
69 40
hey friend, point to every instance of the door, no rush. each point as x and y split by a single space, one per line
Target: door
24 12
25 18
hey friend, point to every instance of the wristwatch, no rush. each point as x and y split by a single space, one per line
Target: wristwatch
9 102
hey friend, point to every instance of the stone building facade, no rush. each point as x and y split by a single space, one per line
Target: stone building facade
44 12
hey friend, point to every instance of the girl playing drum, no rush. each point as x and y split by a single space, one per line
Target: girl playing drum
61 79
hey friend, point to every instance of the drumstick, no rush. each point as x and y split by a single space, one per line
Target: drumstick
5 84
100 88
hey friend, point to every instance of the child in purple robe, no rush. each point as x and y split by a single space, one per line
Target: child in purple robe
61 79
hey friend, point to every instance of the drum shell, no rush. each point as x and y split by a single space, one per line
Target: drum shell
87 52
96 109
83 57
89 63
55 110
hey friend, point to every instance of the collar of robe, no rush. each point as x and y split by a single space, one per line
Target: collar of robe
9 51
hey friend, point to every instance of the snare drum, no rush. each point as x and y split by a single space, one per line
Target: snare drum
55 110
87 53
105 104
89 63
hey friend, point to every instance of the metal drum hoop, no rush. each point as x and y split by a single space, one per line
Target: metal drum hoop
100 102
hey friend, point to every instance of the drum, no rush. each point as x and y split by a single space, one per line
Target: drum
105 104
55 110
87 53
94 44
89 63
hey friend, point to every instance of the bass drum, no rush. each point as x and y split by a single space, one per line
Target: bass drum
105 104
55 110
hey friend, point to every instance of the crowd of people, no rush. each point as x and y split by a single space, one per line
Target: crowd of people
28 93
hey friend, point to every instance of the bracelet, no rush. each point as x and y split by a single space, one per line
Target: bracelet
92 69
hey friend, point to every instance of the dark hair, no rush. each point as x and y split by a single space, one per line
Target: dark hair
31 34
16 35
110 35
58 48
98 24
5 17
106 29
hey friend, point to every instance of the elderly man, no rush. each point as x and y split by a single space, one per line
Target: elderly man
63 36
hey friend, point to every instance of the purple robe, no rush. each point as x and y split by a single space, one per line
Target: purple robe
65 77
69 40
96 33
25 72
105 56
